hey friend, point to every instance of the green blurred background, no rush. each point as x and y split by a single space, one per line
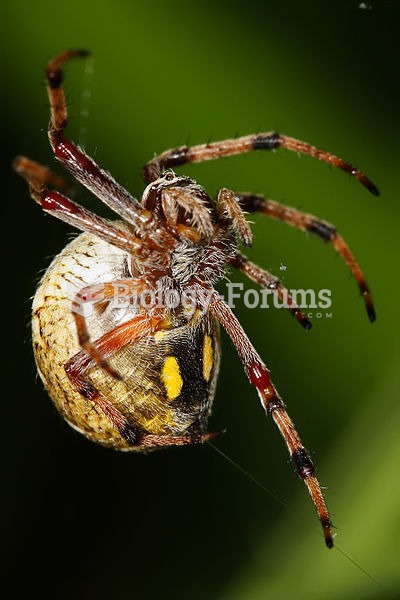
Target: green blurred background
81 521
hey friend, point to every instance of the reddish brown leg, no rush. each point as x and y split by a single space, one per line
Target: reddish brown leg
70 212
111 342
255 203
148 439
270 282
80 165
99 293
258 375
228 207
262 141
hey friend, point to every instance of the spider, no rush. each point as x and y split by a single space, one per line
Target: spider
137 376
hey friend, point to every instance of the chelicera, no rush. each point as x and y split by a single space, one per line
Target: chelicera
137 376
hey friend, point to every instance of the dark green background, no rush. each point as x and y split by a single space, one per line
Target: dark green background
85 522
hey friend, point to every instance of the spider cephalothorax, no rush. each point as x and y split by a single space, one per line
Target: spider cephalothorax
126 319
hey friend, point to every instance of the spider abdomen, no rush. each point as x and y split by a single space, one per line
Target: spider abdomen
168 378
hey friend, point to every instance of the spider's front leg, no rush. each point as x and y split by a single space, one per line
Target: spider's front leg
58 205
262 141
258 376
80 165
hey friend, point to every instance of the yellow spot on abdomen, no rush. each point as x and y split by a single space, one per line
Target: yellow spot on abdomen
208 356
171 377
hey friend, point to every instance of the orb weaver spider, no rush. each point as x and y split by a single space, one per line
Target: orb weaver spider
144 377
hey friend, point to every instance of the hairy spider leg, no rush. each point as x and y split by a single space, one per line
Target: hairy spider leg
109 343
269 282
78 163
95 294
262 141
255 203
258 376
72 213
229 208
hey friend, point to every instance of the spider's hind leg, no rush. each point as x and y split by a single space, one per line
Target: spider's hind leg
273 405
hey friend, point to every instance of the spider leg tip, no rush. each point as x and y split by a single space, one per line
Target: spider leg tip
371 187
16 163
302 319
73 53
370 308
326 525
78 52
328 540
374 190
